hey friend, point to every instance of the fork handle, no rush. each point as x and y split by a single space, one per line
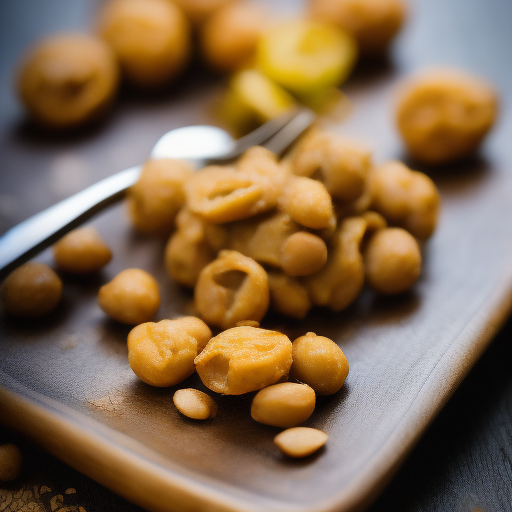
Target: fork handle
31 236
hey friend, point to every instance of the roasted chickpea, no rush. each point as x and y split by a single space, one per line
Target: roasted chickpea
68 80
81 251
32 290
288 295
373 24
151 39
443 115
300 441
158 195
162 354
283 405
319 362
10 462
303 254
195 404
406 198
198 11
392 261
307 202
132 297
230 36
244 359
341 279
232 288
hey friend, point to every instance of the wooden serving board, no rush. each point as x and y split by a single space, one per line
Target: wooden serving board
65 380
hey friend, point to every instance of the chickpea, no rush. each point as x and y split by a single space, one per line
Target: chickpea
81 251
198 11
232 288
244 359
10 462
151 39
300 441
392 261
195 404
303 254
319 362
162 354
230 36
283 405
341 279
307 202
32 290
372 24
288 295
132 297
406 198
374 222
443 115
158 195
68 80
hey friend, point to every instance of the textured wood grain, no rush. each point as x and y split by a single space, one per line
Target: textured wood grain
407 355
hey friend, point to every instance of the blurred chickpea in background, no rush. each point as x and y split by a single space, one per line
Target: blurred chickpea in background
443 115
198 11
68 80
32 290
151 39
372 23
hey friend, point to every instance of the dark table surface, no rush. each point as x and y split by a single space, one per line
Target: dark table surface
464 462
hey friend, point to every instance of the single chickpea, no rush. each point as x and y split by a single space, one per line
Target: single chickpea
232 288
406 198
198 11
303 254
307 202
288 295
372 24
32 290
319 362
195 404
10 462
283 405
244 359
68 80
392 261
151 39
162 354
443 115
230 36
158 195
82 251
132 297
341 279
300 442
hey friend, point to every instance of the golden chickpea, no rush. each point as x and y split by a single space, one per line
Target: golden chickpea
341 279
230 36
373 24
443 115
307 202
244 359
132 297
232 288
32 290
198 11
81 251
10 462
151 39
406 198
392 261
300 441
162 354
158 195
303 254
68 80
283 405
195 404
319 362
288 296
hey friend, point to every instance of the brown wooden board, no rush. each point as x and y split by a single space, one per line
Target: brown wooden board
65 381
